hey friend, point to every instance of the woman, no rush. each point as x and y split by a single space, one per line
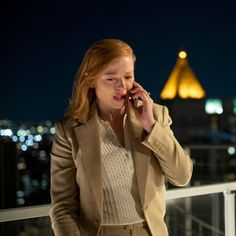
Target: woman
110 158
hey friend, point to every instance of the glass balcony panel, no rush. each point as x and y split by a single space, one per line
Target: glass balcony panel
200 216
40 226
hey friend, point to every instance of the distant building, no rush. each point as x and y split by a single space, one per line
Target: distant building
196 117
184 96
8 175
206 126
182 82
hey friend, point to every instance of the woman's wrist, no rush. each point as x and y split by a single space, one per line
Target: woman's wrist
148 128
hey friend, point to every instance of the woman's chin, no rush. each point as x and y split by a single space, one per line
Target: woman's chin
119 102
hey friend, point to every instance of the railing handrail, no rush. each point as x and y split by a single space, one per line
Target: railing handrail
209 146
23 213
200 190
43 210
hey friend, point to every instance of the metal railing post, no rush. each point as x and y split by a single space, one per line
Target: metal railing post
188 213
229 200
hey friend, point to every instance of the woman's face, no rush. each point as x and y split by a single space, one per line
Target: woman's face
113 82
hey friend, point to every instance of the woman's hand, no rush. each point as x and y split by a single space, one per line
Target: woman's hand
144 112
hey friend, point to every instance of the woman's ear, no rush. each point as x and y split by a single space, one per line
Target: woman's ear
92 83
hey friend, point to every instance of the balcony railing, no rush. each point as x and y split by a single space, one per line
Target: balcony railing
229 205
173 195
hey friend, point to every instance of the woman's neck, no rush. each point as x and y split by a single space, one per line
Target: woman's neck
111 116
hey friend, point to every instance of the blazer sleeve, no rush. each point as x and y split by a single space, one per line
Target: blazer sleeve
64 212
174 161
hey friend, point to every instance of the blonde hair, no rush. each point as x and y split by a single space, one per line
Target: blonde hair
95 59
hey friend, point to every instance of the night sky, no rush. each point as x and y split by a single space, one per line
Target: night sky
42 45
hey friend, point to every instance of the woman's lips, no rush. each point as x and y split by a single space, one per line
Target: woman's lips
119 96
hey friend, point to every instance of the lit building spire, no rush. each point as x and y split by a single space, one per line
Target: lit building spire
182 55
182 81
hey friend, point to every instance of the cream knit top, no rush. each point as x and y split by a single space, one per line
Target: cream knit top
122 203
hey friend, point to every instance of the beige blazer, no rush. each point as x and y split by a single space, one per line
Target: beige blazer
76 186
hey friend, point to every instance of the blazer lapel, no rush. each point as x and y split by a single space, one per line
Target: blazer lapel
141 156
89 144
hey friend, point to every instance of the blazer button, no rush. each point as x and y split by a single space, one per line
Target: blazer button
96 222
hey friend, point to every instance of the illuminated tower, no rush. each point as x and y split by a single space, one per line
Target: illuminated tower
185 97
182 82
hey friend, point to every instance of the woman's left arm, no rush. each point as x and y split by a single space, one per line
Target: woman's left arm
174 161
155 121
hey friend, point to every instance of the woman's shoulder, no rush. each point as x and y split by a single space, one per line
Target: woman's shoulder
68 122
65 126
161 113
159 108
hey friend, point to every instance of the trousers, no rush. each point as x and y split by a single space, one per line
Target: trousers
138 229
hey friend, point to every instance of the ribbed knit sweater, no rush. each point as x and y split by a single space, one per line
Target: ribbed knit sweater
121 198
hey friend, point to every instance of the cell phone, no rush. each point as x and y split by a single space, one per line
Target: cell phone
129 97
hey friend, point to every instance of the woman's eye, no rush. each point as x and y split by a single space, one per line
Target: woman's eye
110 78
128 77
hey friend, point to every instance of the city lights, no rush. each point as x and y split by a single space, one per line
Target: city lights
231 150
6 132
14 138
28 145
37 138
213 106
52 130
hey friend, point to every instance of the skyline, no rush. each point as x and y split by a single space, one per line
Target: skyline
43 45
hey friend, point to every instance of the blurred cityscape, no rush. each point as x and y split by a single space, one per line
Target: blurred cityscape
206 127
25 163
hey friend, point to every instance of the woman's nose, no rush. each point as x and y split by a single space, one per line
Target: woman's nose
120 83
